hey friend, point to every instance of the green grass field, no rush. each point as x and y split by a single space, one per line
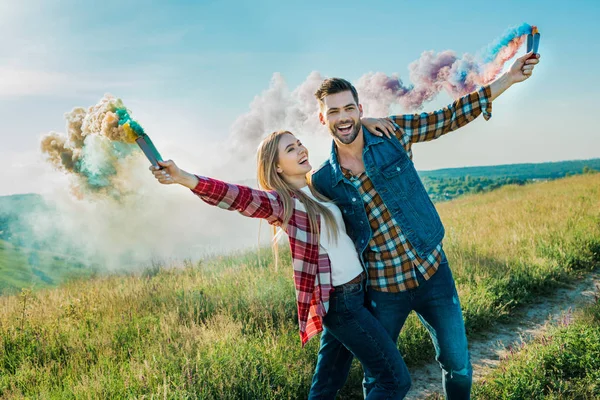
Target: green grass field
562 364
226 328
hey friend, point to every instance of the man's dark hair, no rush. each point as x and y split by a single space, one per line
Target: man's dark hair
333 86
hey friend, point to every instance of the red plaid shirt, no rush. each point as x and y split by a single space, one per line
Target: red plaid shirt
312 268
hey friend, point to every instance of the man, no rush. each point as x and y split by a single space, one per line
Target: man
395 227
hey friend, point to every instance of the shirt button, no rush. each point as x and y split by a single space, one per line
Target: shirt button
397 168
354 199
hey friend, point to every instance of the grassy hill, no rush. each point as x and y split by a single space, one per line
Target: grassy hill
26 262
226 328
448 184
21 267
548 170
563 363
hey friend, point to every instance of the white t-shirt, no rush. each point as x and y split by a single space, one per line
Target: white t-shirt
345 264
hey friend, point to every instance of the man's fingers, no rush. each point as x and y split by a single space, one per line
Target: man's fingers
526 56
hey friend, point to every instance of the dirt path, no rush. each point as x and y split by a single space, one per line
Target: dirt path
487 349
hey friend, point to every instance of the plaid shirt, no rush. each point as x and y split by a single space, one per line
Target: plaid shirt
390 258
312 268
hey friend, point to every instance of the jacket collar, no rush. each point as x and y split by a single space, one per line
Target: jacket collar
336 172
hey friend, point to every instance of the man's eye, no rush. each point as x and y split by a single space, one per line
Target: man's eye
332 112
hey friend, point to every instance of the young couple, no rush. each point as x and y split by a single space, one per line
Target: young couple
365 238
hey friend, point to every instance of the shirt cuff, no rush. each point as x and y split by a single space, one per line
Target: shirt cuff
485 103
202 185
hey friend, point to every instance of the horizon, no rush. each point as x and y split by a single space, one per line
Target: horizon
420 170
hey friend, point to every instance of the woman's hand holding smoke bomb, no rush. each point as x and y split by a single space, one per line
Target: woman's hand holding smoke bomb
170 173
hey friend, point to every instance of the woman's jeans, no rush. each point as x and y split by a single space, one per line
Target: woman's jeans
351 329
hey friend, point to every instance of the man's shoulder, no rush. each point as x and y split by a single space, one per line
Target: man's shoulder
323 169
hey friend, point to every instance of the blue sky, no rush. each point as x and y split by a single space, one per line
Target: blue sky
189 69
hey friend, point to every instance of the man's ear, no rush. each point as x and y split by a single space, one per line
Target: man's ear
322 118
360 111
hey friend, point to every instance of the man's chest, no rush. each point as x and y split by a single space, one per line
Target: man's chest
354 167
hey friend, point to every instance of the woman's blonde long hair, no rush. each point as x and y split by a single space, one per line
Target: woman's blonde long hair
269 179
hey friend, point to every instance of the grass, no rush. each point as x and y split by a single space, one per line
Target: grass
226 328
562 364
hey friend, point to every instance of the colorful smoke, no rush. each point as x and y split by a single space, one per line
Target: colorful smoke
434 72
98 144
278 107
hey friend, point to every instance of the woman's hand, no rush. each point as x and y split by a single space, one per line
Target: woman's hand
170 173
379 126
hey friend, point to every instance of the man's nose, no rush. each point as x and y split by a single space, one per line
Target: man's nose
344 115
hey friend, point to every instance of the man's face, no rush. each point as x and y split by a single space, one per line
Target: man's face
341 115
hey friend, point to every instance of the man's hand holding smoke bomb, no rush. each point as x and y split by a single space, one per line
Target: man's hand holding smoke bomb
522 68
170 173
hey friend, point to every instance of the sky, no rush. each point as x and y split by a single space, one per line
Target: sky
189 69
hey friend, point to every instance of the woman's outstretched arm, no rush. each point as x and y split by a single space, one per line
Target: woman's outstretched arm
246 200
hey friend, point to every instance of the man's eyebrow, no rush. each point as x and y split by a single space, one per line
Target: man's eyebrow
347 105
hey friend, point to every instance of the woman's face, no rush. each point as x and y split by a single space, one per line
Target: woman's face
293 157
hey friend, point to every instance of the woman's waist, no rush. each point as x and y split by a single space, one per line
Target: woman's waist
357 280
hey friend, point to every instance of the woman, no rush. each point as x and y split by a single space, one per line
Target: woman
328 275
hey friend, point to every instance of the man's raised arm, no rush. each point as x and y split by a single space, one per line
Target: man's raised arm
428 126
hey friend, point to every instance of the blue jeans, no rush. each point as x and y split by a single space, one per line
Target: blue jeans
436 303
350 329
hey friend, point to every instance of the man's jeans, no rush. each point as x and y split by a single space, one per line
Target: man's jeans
348 321
437 306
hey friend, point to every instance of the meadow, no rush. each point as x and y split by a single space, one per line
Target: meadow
226 328
564 363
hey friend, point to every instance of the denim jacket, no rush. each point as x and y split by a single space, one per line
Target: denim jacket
396 180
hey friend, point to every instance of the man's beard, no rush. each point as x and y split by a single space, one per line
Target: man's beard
349 138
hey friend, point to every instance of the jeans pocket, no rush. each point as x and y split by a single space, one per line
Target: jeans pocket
354 297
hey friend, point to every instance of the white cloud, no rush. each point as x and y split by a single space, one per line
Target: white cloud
23 82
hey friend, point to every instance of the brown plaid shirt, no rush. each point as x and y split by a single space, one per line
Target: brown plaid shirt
391 259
